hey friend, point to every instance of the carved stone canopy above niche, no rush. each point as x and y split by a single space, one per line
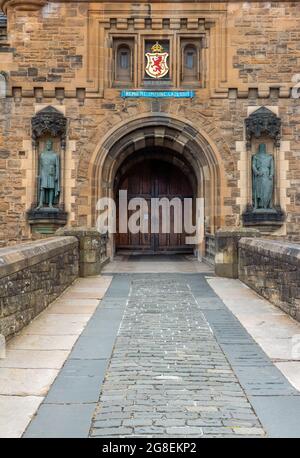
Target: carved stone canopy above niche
263 122
49 121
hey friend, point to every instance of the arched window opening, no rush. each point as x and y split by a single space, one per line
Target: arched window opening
190 59
123 63
124 59
190 64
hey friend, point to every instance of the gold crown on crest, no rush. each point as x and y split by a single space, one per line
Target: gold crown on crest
157 47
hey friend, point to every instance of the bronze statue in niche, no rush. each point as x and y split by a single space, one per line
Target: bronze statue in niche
262 179
49 177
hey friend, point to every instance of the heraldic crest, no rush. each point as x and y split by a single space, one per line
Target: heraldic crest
157 66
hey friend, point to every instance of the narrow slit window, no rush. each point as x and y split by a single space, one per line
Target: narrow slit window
189 59
124 59
123 63
190 64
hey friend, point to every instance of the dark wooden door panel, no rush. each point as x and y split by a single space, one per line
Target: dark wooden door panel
154 179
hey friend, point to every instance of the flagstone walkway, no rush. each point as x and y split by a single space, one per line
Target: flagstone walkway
155 347
163 356
168 376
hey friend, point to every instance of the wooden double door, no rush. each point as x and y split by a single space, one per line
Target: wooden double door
154 179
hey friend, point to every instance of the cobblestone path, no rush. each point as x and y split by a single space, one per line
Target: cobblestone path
168 376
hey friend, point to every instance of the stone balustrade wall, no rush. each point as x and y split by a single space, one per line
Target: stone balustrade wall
32 275
272 269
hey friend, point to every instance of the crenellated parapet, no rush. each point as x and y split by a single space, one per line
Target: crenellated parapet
22 5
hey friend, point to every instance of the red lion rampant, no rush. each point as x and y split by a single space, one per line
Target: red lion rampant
157 61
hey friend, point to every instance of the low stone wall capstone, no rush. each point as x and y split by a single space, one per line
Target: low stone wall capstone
272 268
32 275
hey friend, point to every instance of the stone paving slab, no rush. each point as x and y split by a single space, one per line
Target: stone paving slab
291 370
245 354
69 405
59 421
264 381
78 382
279 414
84 367
74 309
275 332
180 365
43 343
54 325
93 347
153 264
35 357
26 382
166 362
15 414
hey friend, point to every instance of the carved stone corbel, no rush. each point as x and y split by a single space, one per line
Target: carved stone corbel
49 121
263 121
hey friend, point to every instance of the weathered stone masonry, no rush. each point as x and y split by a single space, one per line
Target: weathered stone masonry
272 268
32 275
52 56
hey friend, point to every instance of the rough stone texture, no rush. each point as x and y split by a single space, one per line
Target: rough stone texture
31 276
256 46
92 249
168 376
180 364
226 254
272 268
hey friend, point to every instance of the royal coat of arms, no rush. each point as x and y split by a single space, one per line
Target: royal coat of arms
157 66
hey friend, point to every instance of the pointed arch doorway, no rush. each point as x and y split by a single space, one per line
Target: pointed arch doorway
171 139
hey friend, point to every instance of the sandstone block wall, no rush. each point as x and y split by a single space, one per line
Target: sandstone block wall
32 275
272 268
92 249
52 56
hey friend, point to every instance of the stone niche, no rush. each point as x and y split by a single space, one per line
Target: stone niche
48 126
263 127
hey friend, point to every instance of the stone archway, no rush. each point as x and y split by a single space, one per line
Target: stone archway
156 175
189 147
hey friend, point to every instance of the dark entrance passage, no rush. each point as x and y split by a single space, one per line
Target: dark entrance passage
153 178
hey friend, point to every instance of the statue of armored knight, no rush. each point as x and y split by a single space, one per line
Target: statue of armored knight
49 177
262 179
